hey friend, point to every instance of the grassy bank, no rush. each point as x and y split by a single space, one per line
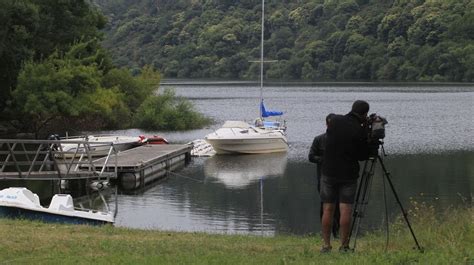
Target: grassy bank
447 240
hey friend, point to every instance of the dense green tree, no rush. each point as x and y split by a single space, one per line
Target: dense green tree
407 72
327 70
357 44
397 47
54 71
77 88
390 70
280 39
125 83
319 50
167 112
64 22
338 41
35 29
463 25
394 24
20 21
308 71
64 87
354 67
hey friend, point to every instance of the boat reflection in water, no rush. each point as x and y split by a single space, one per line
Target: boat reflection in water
237 172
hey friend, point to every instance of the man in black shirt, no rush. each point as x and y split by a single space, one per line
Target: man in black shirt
346 145
316 152
315 155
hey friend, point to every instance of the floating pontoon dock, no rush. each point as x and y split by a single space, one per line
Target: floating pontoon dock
141 165
46 160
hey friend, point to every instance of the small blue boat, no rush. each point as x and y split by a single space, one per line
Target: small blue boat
24 204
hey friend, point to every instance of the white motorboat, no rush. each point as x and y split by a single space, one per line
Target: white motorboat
237 137
22 203
100 145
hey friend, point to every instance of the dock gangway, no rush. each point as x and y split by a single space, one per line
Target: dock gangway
22 159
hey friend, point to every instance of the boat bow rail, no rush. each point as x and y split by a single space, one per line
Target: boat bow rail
46 160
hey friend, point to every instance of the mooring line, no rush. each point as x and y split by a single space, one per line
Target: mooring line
183 176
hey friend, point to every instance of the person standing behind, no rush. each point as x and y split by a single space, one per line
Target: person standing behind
315 155
346 145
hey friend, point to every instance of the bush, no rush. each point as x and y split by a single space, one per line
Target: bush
168 112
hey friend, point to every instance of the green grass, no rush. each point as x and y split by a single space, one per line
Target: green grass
447 239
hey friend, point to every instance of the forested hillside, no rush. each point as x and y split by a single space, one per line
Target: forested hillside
319 40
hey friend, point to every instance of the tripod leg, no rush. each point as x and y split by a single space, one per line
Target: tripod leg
355 210
405 216
362 180
362 198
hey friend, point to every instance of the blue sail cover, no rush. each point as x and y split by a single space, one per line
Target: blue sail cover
268 113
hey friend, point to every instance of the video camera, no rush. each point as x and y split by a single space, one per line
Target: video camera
376 126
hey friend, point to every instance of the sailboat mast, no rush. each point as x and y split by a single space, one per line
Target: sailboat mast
261 57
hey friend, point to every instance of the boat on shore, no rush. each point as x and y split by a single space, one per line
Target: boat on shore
22 203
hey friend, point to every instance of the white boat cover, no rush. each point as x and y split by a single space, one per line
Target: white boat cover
236 124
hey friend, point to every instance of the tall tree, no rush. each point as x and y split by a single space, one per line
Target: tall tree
34 29
59 87
20 22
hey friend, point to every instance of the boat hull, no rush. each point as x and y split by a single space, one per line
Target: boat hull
238 137
97 150
19 202
98 145
21 213
248 146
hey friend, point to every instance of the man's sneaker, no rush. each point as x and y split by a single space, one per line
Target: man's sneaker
345 249
325 249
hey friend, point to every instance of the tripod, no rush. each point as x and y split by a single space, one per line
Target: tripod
363 192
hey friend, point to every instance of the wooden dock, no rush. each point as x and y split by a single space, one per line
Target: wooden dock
141 165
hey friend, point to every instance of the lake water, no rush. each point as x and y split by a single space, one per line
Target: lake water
429 142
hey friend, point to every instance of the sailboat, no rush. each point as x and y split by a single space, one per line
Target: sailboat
264 136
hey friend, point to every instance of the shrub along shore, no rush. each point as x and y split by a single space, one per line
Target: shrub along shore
447 239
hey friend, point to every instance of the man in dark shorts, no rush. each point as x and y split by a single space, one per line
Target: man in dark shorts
315 155
346 145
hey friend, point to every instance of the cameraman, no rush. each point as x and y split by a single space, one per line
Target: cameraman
346 144
316 152
315 155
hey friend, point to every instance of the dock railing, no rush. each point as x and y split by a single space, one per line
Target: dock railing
48 160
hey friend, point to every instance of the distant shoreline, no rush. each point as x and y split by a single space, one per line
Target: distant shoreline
215 82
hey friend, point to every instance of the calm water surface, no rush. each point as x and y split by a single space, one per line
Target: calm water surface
429 141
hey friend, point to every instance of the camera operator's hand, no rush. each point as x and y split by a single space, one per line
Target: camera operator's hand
374 141
373 145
